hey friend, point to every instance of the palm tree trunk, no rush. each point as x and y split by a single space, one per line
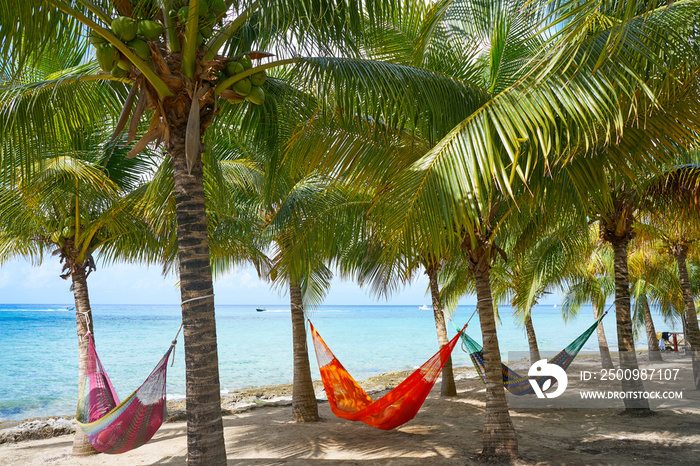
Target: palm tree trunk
448 387
304 405
686 343
532 339
83 322
605 359
692 330
652 341
625 336
205 432
499 439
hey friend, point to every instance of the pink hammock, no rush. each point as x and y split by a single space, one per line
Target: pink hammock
114 427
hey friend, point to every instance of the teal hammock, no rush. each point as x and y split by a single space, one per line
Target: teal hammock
516 383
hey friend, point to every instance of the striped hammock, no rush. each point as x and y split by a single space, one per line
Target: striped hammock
114 427
349 401
516 383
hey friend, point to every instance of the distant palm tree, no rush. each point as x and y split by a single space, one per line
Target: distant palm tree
674 213
590 281
432 267
538 266
653 282
304 219
76 207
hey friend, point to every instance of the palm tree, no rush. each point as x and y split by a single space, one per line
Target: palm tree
589 281
448 387
302 218
652 282
174 82
616 194
75 208
306 277
673 204
308 223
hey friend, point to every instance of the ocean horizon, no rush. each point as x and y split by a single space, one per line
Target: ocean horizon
38 374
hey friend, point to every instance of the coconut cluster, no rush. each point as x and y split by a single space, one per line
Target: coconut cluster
141 32
209 10
249 87
138 31
135 33
66 229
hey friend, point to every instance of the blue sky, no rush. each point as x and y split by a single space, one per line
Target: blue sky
24 283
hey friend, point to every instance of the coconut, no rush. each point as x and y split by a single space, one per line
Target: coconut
119 72
242 87
246 62
56 236
106 56
140 48
218 7
258 79
124 64
95 38
125 28
203 8
233 67
256 96
69 221
209 19
151 30
182 14
205 31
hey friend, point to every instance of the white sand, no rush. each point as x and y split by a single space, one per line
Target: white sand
445 431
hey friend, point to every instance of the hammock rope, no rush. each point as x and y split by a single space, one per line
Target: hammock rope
114 427
516 383
349 401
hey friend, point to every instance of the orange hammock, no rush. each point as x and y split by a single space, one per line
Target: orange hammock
349 401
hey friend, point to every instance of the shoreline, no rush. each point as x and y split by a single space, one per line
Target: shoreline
446 431
236 402
240 401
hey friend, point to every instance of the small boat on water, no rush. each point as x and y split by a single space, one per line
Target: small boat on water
259 309
424 307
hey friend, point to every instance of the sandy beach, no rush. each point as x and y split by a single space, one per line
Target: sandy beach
259 431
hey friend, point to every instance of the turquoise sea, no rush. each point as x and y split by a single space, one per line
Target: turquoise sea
38 369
